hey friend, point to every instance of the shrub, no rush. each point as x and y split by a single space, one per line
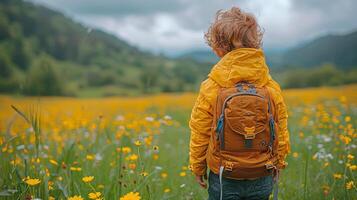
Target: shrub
44 79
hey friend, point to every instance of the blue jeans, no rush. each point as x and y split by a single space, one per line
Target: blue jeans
258 189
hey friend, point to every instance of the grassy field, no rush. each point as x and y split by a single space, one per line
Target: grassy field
126 148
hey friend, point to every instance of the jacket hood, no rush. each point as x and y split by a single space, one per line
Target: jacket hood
243 64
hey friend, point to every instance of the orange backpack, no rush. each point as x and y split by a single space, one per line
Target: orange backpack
246 132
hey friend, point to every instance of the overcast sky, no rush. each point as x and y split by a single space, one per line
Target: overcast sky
171 26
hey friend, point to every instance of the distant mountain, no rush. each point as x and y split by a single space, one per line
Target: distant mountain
201 56
339 50
37 42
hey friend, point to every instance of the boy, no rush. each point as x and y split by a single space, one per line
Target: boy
239 121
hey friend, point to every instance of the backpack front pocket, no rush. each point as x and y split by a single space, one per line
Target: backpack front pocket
245 118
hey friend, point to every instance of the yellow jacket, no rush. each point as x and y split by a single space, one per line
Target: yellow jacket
244 64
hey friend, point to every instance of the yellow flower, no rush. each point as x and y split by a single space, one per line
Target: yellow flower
32 181
90 157
54 162
75 169
144 174
47 172
353 167
132 157
131 196
137 143
87 179
51 198
50 183
345 139
95 195
4 149
155 157
314 157
156 148
301 134
126 149
349 185
183 174
295 154
337 176
167 190
326 189
163 175
350 157
148 140
326 164
347 119
132 166
75 198
16 161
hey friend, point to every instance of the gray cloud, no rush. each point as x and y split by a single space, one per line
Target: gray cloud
116 7
178 25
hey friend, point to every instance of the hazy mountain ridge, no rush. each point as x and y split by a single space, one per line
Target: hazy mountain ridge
200 56
339 50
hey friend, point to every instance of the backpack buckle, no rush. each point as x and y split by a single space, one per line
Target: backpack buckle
249 136
229 166
249 133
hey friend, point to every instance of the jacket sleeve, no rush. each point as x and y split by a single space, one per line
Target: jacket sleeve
284 139
200 125
282 117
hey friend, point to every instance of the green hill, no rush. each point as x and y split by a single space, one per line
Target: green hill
37 43
339 50
328 60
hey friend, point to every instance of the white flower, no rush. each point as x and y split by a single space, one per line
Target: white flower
158 168
20 147
98 157
86 134
329 156
149 119
327 139
167 117
119 118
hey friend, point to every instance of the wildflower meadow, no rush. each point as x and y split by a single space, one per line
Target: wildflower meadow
137 148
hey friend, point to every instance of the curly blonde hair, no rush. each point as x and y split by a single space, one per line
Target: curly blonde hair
234 29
